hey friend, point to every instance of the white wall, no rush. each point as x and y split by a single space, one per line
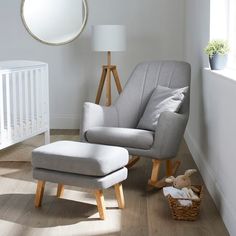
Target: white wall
155 31
211 131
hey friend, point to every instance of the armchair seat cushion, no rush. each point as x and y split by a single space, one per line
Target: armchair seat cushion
124 137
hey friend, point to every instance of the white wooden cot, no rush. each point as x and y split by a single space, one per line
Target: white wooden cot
24 101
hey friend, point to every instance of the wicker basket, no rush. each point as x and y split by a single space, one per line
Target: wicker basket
180 212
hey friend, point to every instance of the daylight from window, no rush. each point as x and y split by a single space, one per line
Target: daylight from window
223 25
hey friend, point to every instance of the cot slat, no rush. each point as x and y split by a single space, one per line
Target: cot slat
1 108
26 105
14 100
21 124
40 88
37 81
46 96
32 96
8 107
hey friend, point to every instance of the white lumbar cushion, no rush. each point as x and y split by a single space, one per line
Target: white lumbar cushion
162 99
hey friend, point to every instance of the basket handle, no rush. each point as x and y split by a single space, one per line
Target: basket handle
189 199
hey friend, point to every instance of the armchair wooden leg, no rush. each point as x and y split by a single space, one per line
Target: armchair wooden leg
171 169
120 195
154 176
100 204
60 190
132 161
39 193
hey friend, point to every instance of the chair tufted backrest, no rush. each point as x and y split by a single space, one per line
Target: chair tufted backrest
144 79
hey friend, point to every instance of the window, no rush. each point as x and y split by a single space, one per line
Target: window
223 25
232 32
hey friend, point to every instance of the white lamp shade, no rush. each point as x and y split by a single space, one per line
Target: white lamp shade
109 38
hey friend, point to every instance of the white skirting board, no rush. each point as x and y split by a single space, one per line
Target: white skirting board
225 206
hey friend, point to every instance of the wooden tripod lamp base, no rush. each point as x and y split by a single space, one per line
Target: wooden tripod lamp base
108 38
107 71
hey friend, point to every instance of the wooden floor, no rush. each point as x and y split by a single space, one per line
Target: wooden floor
76 214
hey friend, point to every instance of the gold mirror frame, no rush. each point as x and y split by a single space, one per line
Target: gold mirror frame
55 44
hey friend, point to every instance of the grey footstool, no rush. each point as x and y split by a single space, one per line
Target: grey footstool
80 164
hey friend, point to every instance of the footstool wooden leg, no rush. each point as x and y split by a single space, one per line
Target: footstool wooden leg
60 190
100 204
120 195
39 193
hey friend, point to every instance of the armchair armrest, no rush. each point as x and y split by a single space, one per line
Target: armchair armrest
169 133
95 115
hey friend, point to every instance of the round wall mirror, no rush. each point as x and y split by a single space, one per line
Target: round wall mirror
54 22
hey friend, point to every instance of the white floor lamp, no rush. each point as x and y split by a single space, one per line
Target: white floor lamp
108 38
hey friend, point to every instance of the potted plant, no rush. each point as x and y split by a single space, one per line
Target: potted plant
217 50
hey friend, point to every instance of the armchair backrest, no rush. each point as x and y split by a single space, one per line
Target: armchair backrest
144 79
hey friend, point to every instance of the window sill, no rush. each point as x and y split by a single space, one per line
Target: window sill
226 73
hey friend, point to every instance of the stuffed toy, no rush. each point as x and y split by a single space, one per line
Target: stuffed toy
182 181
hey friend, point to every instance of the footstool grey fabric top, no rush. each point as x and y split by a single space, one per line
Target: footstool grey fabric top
80 158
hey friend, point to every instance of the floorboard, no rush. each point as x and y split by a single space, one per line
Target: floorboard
146 213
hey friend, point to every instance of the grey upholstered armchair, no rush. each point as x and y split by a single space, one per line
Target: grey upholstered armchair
116 125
